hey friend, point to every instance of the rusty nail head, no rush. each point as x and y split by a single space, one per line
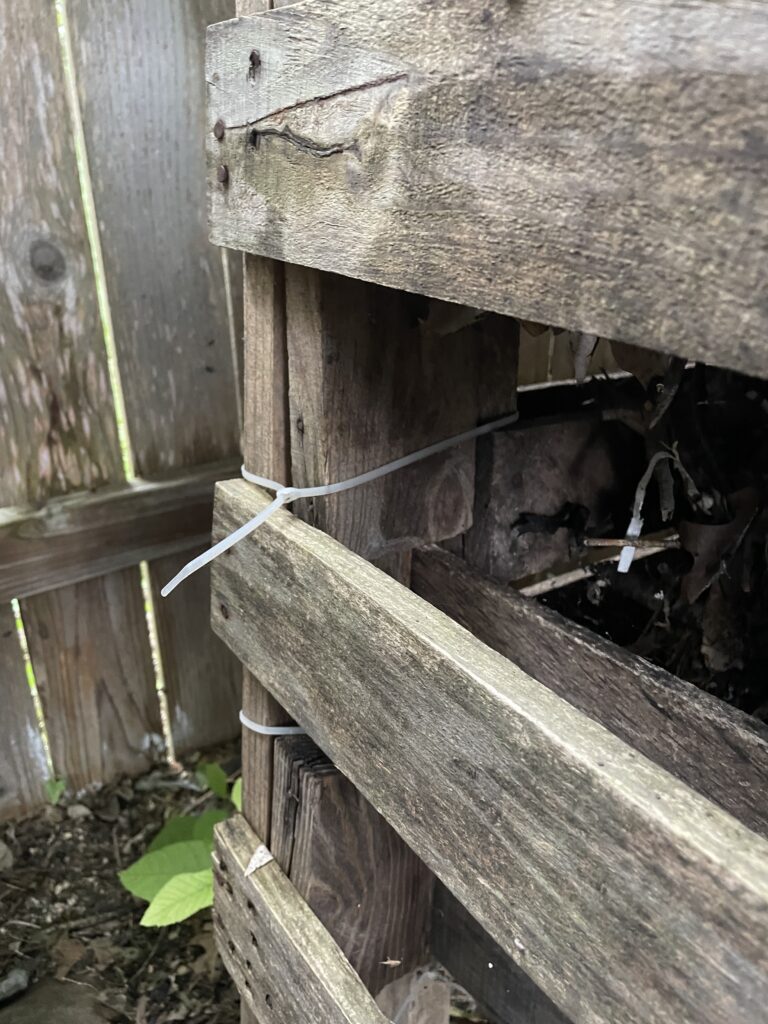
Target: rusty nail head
218 130
255 59
222 174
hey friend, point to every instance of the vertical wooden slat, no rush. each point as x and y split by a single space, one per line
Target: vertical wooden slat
139 68
201 715
22 757
57 415
105 719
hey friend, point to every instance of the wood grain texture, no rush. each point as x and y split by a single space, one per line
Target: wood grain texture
366 887
505 992
141 89
83 535
23 768
101 708
525 808
717 750
202 677
260 706
56 412
579 164
285 964
369 380
265 424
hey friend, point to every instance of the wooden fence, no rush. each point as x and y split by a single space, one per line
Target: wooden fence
81 511
597 826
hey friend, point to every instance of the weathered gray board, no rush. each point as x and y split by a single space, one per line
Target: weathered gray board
529 811
595 165
285 964
718 750
140 82
87 534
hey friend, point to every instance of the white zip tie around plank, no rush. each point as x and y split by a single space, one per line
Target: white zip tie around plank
285 495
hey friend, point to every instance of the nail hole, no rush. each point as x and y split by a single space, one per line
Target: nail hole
268 1000
224 611
218 130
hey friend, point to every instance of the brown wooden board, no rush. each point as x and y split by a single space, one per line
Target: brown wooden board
286 966
530 812
596 168
371 379
101 708
56 414
144 118
351 867
505 992
142 95
718 750
23 767
88 534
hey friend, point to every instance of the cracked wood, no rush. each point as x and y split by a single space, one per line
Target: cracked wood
598 166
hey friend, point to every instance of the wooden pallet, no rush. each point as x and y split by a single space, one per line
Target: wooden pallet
597 826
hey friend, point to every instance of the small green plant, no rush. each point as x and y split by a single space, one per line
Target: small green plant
54 789
175 875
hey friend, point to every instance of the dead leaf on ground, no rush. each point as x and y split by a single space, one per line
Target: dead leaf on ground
66 952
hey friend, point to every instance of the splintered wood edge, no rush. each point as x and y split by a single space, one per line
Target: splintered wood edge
284 962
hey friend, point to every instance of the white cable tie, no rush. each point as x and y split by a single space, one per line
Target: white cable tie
271 730
636 522
285 495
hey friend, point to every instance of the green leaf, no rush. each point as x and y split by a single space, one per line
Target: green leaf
236 794
180 897
151 872
54 789
175 830
204 825
214 777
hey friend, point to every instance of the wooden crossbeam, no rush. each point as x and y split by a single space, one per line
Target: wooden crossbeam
598 167
88 534
285 964
716 749
621 892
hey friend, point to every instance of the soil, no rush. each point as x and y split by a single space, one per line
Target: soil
72 931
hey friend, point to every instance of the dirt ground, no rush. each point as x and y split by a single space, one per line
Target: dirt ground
70 938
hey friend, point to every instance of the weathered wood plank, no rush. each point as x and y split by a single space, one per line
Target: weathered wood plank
23 766
144 117
88 534
589 165
166 283
56 411
366 887
369 376
505 992
89 647
57 414
552 818
284 963
719 751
